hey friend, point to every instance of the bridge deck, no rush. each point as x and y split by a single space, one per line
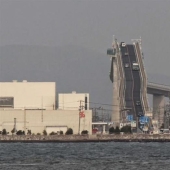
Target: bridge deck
153 88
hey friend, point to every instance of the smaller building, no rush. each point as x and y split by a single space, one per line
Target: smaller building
73 101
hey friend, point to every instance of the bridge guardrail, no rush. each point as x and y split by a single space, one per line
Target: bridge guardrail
144 77
142 80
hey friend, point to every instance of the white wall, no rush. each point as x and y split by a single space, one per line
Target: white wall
71 101
30 95
37 120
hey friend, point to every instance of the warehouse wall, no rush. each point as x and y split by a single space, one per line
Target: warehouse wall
38 120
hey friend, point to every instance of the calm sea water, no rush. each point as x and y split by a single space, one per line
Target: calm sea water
90 156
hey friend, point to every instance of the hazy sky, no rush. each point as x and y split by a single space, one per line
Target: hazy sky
90 24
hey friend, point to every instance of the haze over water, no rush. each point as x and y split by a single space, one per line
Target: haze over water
93 156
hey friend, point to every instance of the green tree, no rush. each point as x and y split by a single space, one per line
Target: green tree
69 131
111 130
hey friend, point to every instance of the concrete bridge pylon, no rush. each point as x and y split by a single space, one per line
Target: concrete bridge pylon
115 78
159 108
115 114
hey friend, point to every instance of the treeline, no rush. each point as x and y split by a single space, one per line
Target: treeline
20 132
124 129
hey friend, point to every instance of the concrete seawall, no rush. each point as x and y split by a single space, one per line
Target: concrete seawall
85 138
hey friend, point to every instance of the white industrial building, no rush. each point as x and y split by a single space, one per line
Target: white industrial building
28 95
32 105
72 101
49 120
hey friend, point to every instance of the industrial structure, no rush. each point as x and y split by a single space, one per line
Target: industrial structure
131 86
32 106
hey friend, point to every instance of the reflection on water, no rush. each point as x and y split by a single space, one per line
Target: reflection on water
93 156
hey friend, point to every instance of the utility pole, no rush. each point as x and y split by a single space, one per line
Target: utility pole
169 111
167 115
79 118
159 119
94 117
42 109
137 124
15 125
25 120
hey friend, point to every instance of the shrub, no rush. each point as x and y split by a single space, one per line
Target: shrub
126 129
111 130
38 133
162 126
84 132
44 132
29 132
61 132
13 131
52 133
20 132
4 132
117 130
69 131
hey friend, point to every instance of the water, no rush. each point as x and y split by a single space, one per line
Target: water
85 156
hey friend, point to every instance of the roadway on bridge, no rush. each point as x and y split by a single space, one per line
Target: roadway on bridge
136 80
132 81
128 81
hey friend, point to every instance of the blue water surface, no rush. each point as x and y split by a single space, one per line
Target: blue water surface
85 156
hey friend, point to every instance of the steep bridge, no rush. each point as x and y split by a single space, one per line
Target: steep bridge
130 85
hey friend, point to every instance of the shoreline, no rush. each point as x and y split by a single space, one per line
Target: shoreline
81 141
84 138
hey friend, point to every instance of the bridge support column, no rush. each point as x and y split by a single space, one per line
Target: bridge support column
116 111
159 108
